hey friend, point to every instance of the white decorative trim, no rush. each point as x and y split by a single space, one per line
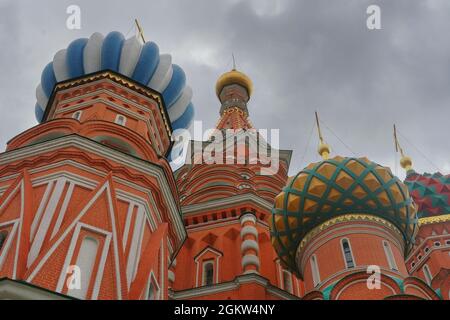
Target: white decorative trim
417 288
342 273
342 231
427 275
248 217
135 247
315 270
152 279
249 230
233 285
46 220
425 256
63 209
126 228
228 202
107 152
197 262
70 252
249 244
250 260
171 276
19 234
42 205
150 120
359 281
9 240
104 188
389 255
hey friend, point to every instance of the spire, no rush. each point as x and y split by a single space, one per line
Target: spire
140 30
324 149
234 88
405 161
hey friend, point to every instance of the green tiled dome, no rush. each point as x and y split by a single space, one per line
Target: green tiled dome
333 188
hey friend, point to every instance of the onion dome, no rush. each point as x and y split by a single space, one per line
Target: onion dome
431 193
234 77
335 187
129 57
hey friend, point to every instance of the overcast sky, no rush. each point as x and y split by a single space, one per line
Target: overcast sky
301 55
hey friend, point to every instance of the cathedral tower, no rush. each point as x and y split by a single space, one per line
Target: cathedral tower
89 206
226 206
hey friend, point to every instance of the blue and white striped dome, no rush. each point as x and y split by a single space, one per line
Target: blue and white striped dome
141 62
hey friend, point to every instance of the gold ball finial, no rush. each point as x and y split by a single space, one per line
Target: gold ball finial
234 77
324 150
406 163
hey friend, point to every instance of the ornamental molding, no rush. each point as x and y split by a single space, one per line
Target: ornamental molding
434 219
96 148
242 199
342 219
135 88
233 285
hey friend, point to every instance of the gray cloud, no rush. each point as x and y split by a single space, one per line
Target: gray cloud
302 56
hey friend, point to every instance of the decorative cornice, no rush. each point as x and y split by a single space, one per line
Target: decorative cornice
122 80
434 219
342 219
123 159
233 285
225 203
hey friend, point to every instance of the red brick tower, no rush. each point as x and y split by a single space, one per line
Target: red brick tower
226 206
89 187
345 226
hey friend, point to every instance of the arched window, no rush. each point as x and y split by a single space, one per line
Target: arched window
3 236
77 115
208 273
121 120
347 252
427 274
287 281
85 261
389 256
315 270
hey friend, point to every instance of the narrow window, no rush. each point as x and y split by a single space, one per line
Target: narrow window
77 115
389 256
427 273
121 120
85 261
348 256
151 292
287 281
208 273
3 236
315 270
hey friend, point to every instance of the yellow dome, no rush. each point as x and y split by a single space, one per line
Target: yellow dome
234 77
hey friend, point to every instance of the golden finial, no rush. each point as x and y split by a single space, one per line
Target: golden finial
405 161
140 30
234 62
324 149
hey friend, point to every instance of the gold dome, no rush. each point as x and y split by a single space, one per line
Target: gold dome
234 77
